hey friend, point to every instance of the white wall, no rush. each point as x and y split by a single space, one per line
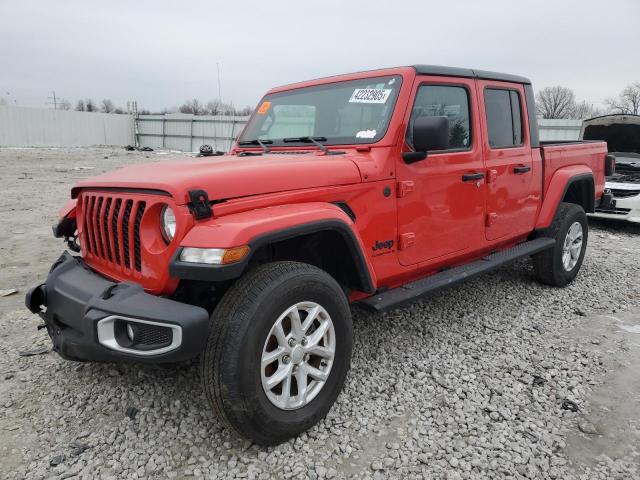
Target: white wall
42 127
186 132
559 129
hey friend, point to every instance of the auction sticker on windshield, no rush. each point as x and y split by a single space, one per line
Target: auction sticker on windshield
370 95
264 108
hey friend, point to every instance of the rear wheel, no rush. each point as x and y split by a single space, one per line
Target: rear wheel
559 265
278 351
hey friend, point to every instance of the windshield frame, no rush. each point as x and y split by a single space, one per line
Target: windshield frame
275 93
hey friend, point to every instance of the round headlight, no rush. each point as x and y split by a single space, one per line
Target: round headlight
168 223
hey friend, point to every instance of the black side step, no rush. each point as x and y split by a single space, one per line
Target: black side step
407 293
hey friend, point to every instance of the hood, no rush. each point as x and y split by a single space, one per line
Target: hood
621 132
230 176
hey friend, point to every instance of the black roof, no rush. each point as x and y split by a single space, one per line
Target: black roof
469 73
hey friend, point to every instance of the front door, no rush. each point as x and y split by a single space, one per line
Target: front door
441 199
511 193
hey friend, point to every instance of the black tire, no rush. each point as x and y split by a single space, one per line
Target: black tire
230 365
548 264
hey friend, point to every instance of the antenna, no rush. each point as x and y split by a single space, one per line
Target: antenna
54 101
219 86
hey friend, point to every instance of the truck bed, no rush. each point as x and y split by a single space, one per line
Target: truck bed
562 154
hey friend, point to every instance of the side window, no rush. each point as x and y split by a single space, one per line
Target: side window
504 117
449 101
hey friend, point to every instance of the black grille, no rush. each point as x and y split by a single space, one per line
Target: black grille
114 227
152 335
619 193
105 220
97 227
614 211
125 231
136 236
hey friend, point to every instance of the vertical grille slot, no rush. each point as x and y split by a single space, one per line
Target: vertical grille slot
97 227
85 229
125 232
136 235
105 225
116 231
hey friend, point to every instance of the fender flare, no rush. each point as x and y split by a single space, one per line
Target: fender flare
260 227
562 179
68 209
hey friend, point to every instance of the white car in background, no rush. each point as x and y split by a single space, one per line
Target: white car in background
622 134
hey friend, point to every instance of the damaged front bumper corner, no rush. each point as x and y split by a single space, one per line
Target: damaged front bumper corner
90 318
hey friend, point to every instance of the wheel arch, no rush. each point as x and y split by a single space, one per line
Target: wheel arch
570 185
320 234
328 244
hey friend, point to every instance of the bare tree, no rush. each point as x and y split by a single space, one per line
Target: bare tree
107 106
584 109
64 105
555 102
192 106
214 107
80 106
3 102
89 106
628 102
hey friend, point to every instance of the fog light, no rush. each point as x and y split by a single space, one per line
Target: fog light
130 332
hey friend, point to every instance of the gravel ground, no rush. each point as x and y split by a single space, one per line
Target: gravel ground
470 383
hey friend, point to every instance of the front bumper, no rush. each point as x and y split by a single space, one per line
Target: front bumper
87 318
625 208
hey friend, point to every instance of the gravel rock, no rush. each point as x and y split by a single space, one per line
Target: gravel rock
587 427
465 384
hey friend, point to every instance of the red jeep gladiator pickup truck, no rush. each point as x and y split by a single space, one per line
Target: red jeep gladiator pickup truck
372 188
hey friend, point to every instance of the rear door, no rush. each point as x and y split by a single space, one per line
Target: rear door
512 197
441 199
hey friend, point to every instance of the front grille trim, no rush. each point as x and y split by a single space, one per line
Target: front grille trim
111 229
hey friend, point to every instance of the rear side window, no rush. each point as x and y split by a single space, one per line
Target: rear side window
448 101
504 117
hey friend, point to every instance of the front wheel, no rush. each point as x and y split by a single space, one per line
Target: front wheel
278 351
559 265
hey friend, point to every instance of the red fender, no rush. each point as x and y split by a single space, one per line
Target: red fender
557 188
247 227
68 209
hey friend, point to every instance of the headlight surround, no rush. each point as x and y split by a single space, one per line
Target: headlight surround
213 256
168 223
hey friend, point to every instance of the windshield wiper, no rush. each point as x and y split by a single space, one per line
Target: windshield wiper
315 140
257 141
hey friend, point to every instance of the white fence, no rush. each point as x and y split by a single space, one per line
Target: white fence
35 127
186 132
559 129
43 127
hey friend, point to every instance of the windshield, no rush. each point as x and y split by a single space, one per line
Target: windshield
350 112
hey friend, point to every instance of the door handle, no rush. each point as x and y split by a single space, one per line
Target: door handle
472 177
520 169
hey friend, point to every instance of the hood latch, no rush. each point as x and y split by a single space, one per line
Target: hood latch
200 206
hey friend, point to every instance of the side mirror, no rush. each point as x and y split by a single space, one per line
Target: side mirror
429 133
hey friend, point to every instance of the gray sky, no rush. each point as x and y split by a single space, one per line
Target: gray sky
162 53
